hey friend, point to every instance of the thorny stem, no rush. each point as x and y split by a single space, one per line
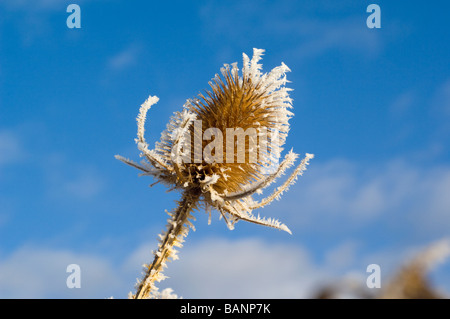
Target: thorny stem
176 230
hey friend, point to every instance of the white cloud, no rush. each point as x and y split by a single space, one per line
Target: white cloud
257 268
212 268
10 148
32 18
11 152
125 58
245 268
345 194
346 34
343 256
441 98
4 216
82 181
38 7
84 186
308 37
30 5
33 272
402 103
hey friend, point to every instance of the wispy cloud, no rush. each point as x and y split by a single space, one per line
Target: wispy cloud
245 268
125 58
402 103
441 99
32 19
307 37
213 268
249 268
84 186
257 268
81 182
35 272
344 255
10 147
389 192
32 6
316 37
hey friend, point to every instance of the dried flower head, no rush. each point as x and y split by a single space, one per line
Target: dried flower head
411 282
252 112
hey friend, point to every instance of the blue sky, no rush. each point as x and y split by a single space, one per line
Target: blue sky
373 105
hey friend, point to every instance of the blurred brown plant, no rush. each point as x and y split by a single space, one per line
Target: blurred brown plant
410 282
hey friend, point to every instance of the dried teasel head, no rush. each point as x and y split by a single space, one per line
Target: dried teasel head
199 155
225 145
412 281
240 124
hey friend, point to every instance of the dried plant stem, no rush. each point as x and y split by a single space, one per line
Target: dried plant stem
174 236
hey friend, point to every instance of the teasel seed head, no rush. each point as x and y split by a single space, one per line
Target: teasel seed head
253 107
